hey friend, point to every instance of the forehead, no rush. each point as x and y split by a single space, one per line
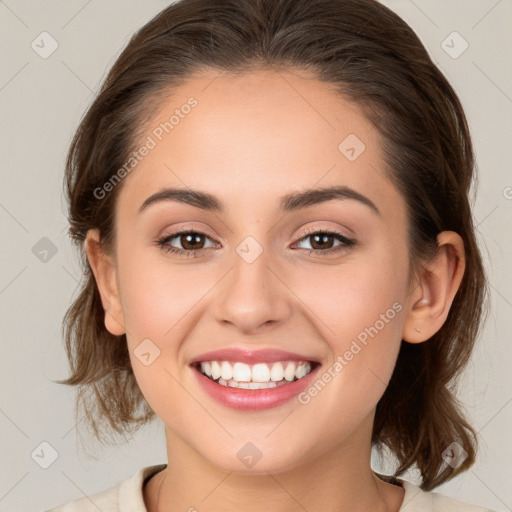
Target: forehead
257 135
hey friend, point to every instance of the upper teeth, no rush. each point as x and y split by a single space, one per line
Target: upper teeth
261 372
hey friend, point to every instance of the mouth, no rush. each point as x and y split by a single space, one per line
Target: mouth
246 379
263 375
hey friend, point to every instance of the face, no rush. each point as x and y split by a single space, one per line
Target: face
325 280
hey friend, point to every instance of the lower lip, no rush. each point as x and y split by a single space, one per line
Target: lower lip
254 399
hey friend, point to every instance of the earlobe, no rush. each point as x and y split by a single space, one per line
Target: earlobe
431 299
105 274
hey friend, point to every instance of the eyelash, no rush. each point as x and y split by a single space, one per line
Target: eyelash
346 242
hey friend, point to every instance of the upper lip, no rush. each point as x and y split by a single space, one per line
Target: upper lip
251 356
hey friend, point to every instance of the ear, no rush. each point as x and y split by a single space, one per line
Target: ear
430 300
105 272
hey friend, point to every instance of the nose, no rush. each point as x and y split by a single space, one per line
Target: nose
253 297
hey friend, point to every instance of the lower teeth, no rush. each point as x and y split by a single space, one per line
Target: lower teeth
250 385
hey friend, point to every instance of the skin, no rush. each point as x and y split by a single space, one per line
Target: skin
250 140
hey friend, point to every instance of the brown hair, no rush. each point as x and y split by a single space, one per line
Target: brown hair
373 58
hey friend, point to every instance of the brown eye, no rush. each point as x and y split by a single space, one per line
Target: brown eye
324 242
191 242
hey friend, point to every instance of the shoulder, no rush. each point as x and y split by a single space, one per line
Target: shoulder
416 500
107 501
127 495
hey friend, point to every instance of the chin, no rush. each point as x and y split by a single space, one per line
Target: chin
251 460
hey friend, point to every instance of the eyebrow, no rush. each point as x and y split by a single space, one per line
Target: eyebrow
287 203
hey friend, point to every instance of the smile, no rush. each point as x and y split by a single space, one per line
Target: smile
256 376
255 387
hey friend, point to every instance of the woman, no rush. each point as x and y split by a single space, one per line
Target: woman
271 199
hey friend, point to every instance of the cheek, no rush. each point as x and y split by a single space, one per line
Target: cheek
351 298
156 297
158 304
358 309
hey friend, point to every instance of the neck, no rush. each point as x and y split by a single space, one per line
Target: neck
340 480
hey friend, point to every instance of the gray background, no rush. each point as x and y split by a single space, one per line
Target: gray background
41 102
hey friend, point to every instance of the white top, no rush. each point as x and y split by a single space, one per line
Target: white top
128 497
